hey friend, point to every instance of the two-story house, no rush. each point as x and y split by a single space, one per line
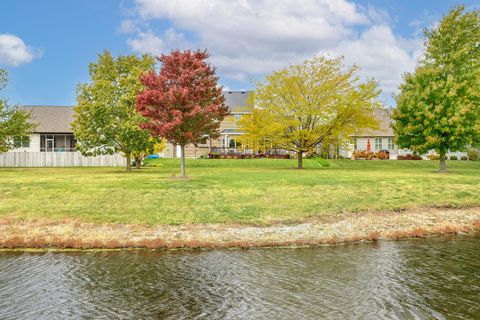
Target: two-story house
229 140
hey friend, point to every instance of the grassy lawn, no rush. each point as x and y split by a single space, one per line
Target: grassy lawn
258 191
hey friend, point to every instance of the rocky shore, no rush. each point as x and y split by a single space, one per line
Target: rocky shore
344 228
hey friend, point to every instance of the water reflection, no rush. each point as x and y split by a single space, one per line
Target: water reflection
423 279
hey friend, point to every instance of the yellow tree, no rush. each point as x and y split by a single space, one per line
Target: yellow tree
303 105
259 127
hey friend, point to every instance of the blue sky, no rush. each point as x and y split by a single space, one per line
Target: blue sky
47 45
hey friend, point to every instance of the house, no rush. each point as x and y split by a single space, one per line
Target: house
53 132
231 132
382 138
229 140
52 144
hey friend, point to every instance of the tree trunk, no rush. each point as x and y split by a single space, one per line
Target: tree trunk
138 162
129 161
300 159
443 166
174 151
182 161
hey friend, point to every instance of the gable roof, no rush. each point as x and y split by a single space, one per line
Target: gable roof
51 119
384 119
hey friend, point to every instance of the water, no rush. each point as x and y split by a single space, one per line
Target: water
418 279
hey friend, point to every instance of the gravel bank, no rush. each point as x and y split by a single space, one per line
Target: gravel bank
345 228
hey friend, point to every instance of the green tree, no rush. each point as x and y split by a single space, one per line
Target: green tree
439 104
303 105
15 123
106 120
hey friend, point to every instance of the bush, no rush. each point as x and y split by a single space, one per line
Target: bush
433 157
383 155
409 157
363 154
453 158
473 154
464 158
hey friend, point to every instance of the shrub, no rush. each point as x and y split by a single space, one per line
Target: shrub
473 154
453 158
363 154
383 155
409 157
464 158
433 157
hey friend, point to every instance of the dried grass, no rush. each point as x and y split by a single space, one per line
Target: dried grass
71 234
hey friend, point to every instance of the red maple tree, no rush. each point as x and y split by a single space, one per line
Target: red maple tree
183 102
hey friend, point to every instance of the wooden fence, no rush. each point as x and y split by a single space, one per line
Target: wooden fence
58 159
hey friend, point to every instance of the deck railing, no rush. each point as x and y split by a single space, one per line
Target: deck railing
223 152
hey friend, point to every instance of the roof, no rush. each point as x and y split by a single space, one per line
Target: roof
231 131
384 129
51 119
57 119
236 100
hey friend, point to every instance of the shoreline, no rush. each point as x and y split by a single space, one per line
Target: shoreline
65 235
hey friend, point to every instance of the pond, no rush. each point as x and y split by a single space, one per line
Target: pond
413 279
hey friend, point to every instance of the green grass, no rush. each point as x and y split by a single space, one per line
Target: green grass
244 191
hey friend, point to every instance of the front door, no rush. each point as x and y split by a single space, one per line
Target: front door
50 145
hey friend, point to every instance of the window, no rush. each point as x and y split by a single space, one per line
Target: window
57 142
391 145
203 141
378 143
21 142
236 120
355 144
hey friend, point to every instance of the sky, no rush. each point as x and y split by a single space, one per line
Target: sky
48 45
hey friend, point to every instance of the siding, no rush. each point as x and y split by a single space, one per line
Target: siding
362 144
34 144
227 123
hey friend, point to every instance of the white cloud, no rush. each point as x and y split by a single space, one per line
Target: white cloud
382 55
128 26
248 38
13 51
149 42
